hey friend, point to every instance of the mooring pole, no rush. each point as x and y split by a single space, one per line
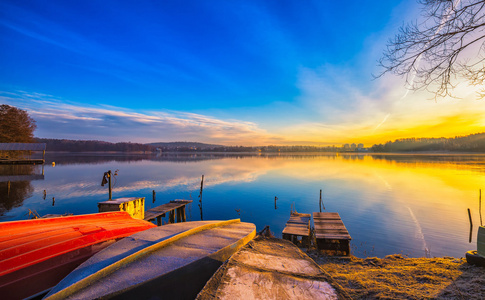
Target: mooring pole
200 197
480 206
109 182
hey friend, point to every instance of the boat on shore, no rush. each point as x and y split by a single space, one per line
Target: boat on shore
477 257
36 254
173 261
271 268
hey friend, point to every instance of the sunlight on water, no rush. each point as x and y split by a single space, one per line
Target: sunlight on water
410 204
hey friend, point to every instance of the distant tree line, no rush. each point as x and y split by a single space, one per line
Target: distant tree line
469 143
92 146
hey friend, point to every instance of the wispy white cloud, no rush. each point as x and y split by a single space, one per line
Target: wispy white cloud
58 118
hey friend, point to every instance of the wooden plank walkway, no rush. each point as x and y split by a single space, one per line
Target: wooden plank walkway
175 206
331 233
298 225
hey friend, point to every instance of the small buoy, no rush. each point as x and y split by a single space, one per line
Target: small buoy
53 163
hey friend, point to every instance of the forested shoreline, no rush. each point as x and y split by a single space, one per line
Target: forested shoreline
470 143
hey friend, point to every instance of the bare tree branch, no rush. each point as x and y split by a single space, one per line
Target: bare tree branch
434 54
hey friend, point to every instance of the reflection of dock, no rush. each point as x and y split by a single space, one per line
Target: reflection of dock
14 178
20 161
175 206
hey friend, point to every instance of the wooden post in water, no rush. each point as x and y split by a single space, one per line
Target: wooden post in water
321 202
471 225
480 206
154 196
200 197
109 179
8 189
275 198
171 217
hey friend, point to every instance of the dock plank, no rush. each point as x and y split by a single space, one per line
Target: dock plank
330 232
297 226
163 209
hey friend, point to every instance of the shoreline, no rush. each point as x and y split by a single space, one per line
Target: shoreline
398 277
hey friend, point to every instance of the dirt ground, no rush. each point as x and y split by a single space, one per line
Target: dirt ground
398 277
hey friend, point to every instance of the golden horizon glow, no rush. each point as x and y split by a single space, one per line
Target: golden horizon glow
411 117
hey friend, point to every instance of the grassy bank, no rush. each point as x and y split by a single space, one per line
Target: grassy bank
398 277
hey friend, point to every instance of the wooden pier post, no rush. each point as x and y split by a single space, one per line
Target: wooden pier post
480 206
200 198
172 208
171 217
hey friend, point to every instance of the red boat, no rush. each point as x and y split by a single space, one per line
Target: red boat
36 254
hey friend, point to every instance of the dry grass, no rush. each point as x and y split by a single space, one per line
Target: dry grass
397 277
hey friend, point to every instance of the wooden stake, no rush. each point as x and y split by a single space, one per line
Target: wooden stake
109 180
480 206
321 202
154 196
200 198
470 217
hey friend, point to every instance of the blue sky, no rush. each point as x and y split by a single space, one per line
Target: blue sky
229 72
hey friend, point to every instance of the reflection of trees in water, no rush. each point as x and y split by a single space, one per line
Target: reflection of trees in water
19 191
100 158
477 161
13 193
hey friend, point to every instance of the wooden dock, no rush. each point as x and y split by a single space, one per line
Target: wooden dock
330 232
175 206
298 226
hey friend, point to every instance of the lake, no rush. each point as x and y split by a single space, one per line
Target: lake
410 204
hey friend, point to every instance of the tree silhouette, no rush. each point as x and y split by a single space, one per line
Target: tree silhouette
443 50
16 126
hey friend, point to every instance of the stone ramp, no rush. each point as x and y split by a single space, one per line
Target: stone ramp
270 268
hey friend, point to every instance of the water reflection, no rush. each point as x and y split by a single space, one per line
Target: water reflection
15 185
414 204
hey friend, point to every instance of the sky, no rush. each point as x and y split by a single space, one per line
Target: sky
248 72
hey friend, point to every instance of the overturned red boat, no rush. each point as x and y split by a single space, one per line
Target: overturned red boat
36 254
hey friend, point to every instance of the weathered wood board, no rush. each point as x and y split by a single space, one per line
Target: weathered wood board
331 233
297 226
160 211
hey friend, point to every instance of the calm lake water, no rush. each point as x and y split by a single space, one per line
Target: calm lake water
410 204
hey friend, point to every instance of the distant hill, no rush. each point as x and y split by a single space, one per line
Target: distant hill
92 146
189 145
